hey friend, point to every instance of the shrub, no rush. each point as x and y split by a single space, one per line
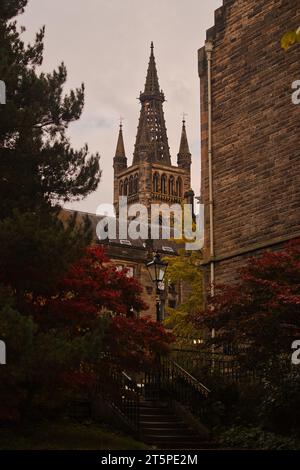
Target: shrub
255 438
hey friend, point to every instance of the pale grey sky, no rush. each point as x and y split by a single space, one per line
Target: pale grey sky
106 45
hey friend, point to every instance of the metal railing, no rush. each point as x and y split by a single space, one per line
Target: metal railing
124 396
205 363
169 381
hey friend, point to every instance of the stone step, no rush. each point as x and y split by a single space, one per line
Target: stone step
145 411
161 424
150 407
162 428
179 436
172 444
183 446
160 409
165 432
158 414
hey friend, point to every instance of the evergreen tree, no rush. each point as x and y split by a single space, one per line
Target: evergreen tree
38 165
39 169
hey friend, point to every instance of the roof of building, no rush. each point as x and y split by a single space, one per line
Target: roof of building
166 246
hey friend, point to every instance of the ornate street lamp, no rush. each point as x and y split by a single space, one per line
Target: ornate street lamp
157 270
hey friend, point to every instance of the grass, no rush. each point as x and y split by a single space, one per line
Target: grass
66 436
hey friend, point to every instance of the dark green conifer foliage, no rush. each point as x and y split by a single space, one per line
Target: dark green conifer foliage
38 165
39 169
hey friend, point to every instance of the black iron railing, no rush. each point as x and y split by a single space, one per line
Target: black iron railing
127 401
124 396
169 381
205 363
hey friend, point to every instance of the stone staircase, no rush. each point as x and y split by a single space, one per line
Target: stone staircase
145 406
160 427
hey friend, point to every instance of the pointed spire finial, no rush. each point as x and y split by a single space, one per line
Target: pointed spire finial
152 139
120 150
152 85
184 145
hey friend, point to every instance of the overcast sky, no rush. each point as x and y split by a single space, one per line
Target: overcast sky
106 45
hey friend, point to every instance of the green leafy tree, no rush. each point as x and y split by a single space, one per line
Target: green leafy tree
185 269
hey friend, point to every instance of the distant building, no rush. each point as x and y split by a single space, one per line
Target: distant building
132 255
150 179
250 132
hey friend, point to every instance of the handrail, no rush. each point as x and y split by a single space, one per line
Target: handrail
208 363
131 382
169 381
126 376
181 386
195 382
125 399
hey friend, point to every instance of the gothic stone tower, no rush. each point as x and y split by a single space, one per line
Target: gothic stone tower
152 178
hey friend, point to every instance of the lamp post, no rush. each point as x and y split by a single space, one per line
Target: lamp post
157 270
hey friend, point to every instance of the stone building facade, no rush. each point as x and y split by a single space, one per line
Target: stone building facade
250 132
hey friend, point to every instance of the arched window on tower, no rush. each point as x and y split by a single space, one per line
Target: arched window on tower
121 188
171 185
179 187
136 184
164 184
156 183
126 187
130 185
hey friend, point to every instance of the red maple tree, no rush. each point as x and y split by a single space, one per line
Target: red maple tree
136 343
92 290
262 310
91 286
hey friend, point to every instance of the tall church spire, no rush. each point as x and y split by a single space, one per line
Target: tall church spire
120 160
184 155
152 121
152 85
151 178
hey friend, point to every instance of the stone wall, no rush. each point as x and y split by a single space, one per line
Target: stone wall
256 131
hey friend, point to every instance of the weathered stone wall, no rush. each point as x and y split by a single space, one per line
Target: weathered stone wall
256 131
